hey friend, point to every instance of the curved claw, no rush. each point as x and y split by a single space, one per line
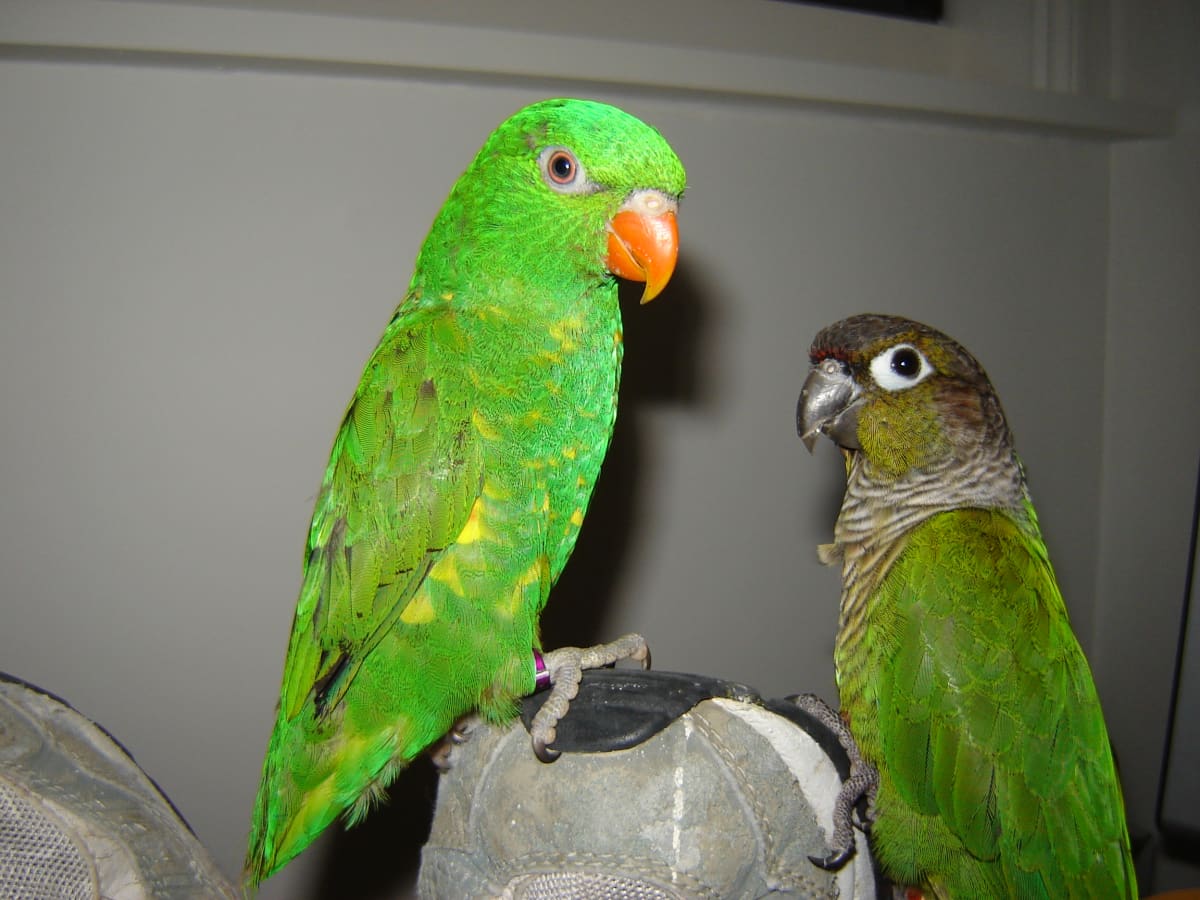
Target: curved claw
544 753
834 860
646 660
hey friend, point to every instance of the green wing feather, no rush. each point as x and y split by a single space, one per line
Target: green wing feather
401 480
988 734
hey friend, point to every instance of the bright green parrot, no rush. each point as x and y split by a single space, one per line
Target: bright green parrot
957 669
461 473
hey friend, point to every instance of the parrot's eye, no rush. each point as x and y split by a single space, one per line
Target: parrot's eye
561 168
562 171
906 362
900 367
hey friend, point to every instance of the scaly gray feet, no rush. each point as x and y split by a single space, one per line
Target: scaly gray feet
565 668
863 782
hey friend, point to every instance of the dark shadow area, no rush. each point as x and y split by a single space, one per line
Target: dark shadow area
662 362
661 366
381 857
1183 849
916 10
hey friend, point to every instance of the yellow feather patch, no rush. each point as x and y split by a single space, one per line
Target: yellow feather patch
577 517
618 338
308 818
493 491
446 572
535 574
484 427
475 528
565 332
419 610
570 452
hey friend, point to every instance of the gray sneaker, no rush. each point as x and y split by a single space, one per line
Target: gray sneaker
669 786
79 819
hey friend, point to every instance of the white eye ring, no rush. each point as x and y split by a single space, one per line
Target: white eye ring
563 172
900 367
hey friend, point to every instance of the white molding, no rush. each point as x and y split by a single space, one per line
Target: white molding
1056 45
180 34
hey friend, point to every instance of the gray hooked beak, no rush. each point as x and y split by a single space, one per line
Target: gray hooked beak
829 406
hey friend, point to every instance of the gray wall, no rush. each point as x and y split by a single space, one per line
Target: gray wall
196 259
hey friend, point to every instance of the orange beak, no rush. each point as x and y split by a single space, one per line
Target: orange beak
643 241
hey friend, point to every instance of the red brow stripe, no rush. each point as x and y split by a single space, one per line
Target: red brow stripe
838 353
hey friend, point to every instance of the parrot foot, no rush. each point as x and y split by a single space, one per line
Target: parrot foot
442 755
862 782
565 667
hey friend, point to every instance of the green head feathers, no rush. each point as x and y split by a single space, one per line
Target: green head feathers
538 200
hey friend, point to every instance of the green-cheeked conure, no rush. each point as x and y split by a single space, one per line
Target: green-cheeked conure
956 666
461 472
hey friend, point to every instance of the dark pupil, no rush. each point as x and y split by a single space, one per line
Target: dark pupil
561 166
906 363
